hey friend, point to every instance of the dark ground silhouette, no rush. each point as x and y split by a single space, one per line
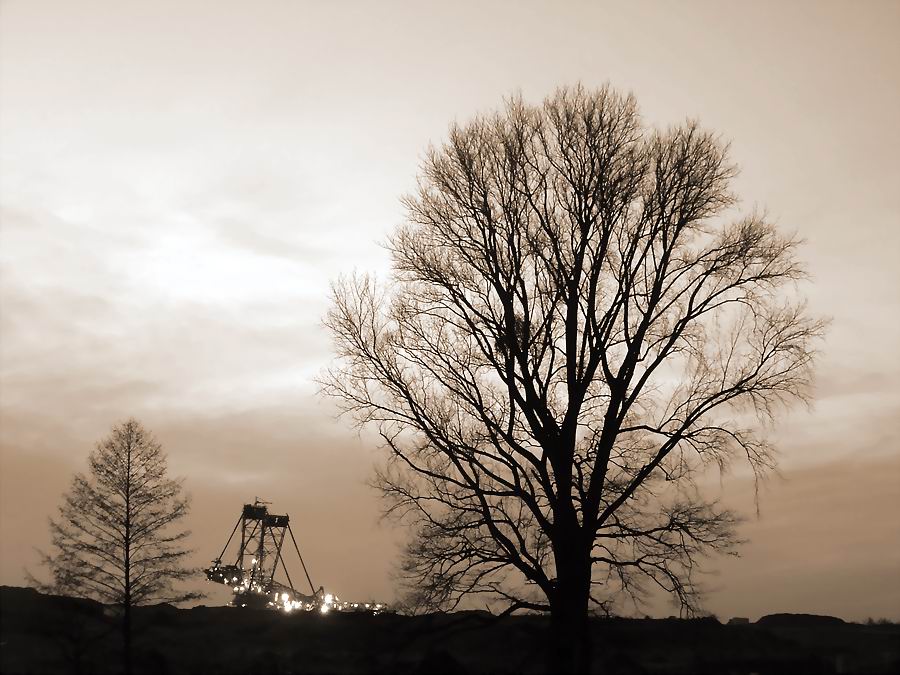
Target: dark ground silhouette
50 634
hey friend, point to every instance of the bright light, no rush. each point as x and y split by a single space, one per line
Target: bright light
325 603
188 264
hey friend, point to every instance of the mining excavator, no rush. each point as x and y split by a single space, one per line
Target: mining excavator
252 574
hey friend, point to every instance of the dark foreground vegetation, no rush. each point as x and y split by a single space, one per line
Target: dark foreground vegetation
50 634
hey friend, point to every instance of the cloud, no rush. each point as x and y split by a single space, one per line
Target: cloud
171 218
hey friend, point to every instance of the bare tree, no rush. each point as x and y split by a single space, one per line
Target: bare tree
573 331
113 539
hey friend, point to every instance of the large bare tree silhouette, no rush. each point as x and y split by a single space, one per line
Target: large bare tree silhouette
573 330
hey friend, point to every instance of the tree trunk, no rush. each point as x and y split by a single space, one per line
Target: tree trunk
570 650
126 544
126 638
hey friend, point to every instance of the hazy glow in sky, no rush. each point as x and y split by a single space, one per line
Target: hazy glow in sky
180 181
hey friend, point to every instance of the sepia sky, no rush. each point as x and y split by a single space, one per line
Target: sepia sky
179 182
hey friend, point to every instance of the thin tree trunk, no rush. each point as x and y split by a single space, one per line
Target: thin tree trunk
126 639
126 617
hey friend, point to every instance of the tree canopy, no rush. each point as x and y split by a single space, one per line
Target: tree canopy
114 539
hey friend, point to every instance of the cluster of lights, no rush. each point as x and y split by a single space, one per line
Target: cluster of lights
285 601
248 585
328 603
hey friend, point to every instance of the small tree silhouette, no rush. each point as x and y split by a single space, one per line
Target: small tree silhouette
112 540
